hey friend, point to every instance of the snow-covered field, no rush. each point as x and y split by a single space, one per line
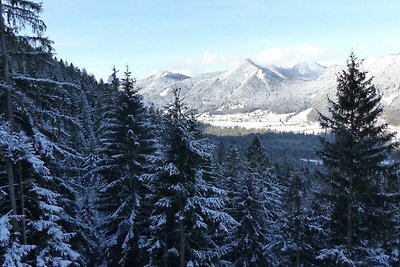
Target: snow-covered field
265 120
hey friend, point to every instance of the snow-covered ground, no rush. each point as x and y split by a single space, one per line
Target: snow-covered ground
265 120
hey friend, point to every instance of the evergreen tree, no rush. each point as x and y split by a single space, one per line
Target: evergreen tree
257 158
357 164
232 174
46 242
260 169
188 207
55 133
39 220
88 182
248 238
127 144
257 208
14 16
221 153
231 170
302 224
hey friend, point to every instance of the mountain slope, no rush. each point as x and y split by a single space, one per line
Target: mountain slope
248 87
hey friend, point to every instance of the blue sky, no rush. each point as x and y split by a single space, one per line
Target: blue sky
200 36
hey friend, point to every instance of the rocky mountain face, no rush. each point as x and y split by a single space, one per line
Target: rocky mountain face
248 87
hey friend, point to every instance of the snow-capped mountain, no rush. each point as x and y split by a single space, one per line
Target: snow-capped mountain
304 71
248 87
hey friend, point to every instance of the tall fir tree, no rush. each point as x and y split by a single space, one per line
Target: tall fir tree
14 16
247 240
188 207
127 144
302 225
42 199
257 207
357 168
232 171
46 242
261 169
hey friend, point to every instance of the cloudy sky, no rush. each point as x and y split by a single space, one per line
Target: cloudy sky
197 36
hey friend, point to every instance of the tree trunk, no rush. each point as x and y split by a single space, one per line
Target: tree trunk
11 189
9 112
297 250
165 247
6 70
350 214
182 241
21 188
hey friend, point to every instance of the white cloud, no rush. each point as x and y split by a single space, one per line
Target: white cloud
290 55
376 47
209 58
207 62
281 56
151 72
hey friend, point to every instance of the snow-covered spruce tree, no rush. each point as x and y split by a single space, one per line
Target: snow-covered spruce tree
247 239
87 215
14 16
12 248
188 207
220 153
88 181
126 144
302 225
260 169
62 133
30 120
357 164
106 136
232 171
45 243
55 132
257 207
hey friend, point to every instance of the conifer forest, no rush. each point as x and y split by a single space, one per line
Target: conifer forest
91 176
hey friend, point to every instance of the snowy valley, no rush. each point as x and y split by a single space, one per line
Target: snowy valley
271 97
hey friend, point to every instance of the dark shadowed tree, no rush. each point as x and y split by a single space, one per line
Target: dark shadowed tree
16 15
357 168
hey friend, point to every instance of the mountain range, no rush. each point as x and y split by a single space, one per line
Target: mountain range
248 87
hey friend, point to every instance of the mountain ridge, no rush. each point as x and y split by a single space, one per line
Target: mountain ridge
249 86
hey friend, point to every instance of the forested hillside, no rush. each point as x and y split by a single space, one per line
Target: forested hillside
90 176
